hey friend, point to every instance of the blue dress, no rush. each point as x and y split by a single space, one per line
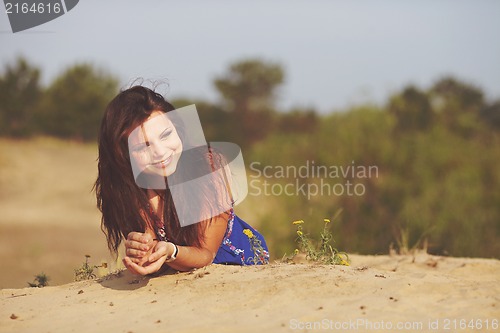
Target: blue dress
242 244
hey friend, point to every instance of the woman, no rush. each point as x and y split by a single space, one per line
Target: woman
139 143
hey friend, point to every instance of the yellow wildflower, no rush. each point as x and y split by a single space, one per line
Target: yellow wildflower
300 233
248 233
343 262
326 221
296 252
298 222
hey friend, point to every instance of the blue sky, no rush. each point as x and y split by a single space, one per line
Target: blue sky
335 53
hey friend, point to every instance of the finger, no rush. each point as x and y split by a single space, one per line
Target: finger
161 250
138 245
153 267
138 261
134 235
157 255
131 266
139 237
135 253
136 269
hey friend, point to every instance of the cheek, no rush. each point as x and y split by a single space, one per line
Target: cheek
140 159
179 145
176 144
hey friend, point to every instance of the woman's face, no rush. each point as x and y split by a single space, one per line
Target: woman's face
155 146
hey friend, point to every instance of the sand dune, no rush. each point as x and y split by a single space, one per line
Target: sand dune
376 293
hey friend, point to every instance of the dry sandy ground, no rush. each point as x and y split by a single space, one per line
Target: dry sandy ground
376 293
48 215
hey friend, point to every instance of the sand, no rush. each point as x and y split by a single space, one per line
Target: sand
423 293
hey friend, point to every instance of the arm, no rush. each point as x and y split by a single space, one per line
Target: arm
143 262
193 257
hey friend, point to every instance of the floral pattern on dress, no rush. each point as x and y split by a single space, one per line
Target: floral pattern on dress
236 248
227 241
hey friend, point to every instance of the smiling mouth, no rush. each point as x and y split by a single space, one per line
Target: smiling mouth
164 163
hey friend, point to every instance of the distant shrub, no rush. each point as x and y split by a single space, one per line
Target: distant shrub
41 280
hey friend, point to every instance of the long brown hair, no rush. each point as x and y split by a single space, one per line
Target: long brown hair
124 205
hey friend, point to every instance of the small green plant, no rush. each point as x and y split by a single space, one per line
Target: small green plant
323 252
86 272
403 242
259 254
41 280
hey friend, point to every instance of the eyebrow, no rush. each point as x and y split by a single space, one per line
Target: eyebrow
166 129
139 145
146 142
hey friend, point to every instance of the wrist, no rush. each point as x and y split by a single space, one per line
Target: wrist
173 255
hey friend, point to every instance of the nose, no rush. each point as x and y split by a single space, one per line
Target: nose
159 151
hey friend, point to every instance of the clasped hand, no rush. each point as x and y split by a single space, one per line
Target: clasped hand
143 254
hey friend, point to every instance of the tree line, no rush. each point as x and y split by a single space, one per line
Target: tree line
72 105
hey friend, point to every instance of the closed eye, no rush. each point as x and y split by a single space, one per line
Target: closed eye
139 148
166 133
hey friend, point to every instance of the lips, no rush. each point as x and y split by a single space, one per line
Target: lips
164 163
